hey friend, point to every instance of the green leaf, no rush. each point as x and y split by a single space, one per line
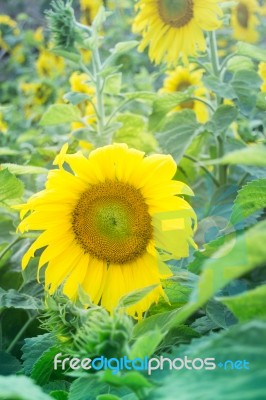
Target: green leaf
222 89
6 151
261 101
246 85
20 388
241 342
248 305
250 198
135 296
34 348
8 364
249 50
14 299
240 62
60 114
124 47
251 155
76 98
178 133
146 345
113 84
10 186
163 104
24 169
141 96
44 367
223 117
133 133
69 55
59 395
87 388
107 397
133 380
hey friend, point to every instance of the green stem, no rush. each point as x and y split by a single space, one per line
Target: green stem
3 252
19 334
204 102
203 168
99 86
222 169
214 53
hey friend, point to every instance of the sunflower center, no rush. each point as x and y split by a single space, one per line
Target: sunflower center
181 87
112 223
242 15
176 13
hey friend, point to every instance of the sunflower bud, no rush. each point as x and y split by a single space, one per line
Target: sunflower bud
65 30
103 335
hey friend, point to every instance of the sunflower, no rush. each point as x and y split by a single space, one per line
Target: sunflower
180 79
80 82
108 221
49 65
7 27
89 10
175 27
244 21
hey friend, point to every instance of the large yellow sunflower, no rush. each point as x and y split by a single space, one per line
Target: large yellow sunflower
175 27
106 222
244 21
180 79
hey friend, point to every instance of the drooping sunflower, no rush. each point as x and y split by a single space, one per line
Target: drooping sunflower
174 28
180 79
107 223
244 21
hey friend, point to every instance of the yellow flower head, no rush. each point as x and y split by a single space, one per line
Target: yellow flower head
262 74
3 124
107 223
180 79
80 83
89 10
244 21
175 27
39 92
7 25
49 65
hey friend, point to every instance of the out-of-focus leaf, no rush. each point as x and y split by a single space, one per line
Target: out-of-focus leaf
249 50
20 388
248 305
251 155
60 114
34 348
246 85
8 364
14 299
24 169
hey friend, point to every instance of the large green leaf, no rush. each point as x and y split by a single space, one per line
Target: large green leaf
60 114
246 85
238 344
20 388
178 133
222 118
43 368
33 350
10 186
14 299
250 198
248 305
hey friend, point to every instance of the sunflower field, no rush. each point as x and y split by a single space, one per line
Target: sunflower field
132 200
